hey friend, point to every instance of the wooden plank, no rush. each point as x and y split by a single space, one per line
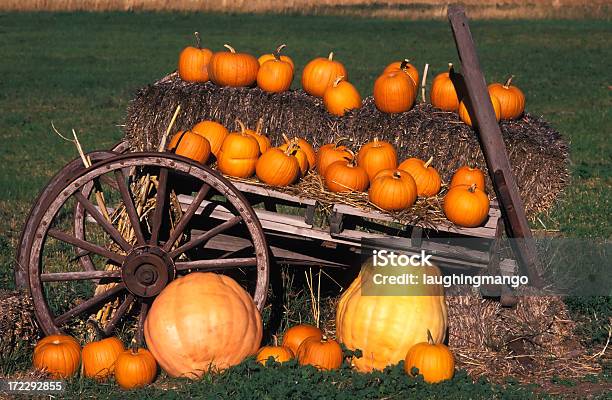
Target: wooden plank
267 192
479 103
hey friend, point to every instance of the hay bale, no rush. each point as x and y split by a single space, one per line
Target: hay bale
538 153
18 327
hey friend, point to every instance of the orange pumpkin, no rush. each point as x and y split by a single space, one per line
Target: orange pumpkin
444 94
277 167
296 151
324 354
233 69
275 76
262 140
295 335
346 176
202 322
57 355
341 97
466 206
191 145
135 368
427 179
238 155
214 132
193 62
279 354
465 115
331 153
304 146
511 99
320 73
376 156
394 92
393 190
277 54
434 361
99 358
405 67
467 175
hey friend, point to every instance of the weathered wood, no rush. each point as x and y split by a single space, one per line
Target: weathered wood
160 205
198 240
215 264
119 313
82 244
186 217
79 275
97 300
128 203
479 104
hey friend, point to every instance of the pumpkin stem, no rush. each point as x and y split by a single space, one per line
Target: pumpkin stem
134 346
286 138
241 125
292 149
508 82
338 80
424 81
472 188
450 68
397 174
259 126
404 65
278 51
330 57
430 338
340 140
230 48
275 340
428 163
324 338
198 40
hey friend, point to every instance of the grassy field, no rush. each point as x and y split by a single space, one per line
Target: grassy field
80 70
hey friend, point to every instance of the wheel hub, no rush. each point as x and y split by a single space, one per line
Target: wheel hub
147 270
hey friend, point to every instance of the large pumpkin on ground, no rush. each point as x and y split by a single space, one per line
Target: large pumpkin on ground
385 327
99 357
57 355
202 322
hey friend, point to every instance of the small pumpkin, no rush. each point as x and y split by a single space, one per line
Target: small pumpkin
193 62
393 190
306 147
295 335
279 354
511 99
466 206
262 140
272 56
135 368
427 178
444 94
464 114
191 145
57 355
238 155
341 97
403 66
296 151
376 156
324 354
434 361
228 68
275 75
346 176
277 167
467 175
99 357
214 132
320 73
331 153
394 92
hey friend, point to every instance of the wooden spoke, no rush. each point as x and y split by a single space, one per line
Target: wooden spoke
88 304
129 206
119 313
79 276
215 264
104 223
82 244
160 203
144 309
182 224
108 181
205 236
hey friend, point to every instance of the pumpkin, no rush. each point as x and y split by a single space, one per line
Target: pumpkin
277 54
214 132
202 322
375 156
511 99
280 354
99 357
385 327
466 206
306 147
341 97
275 75
277 167
394 92
233 69
320 73
191 145
324 354
434 361
295 335
331 153
238 155
464 114
405 67
427 179
135 368
346 176
57 355
262 140
444 94
193 62
467 175
393 190
296 151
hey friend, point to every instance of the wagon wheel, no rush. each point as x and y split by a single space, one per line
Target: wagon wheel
153 258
